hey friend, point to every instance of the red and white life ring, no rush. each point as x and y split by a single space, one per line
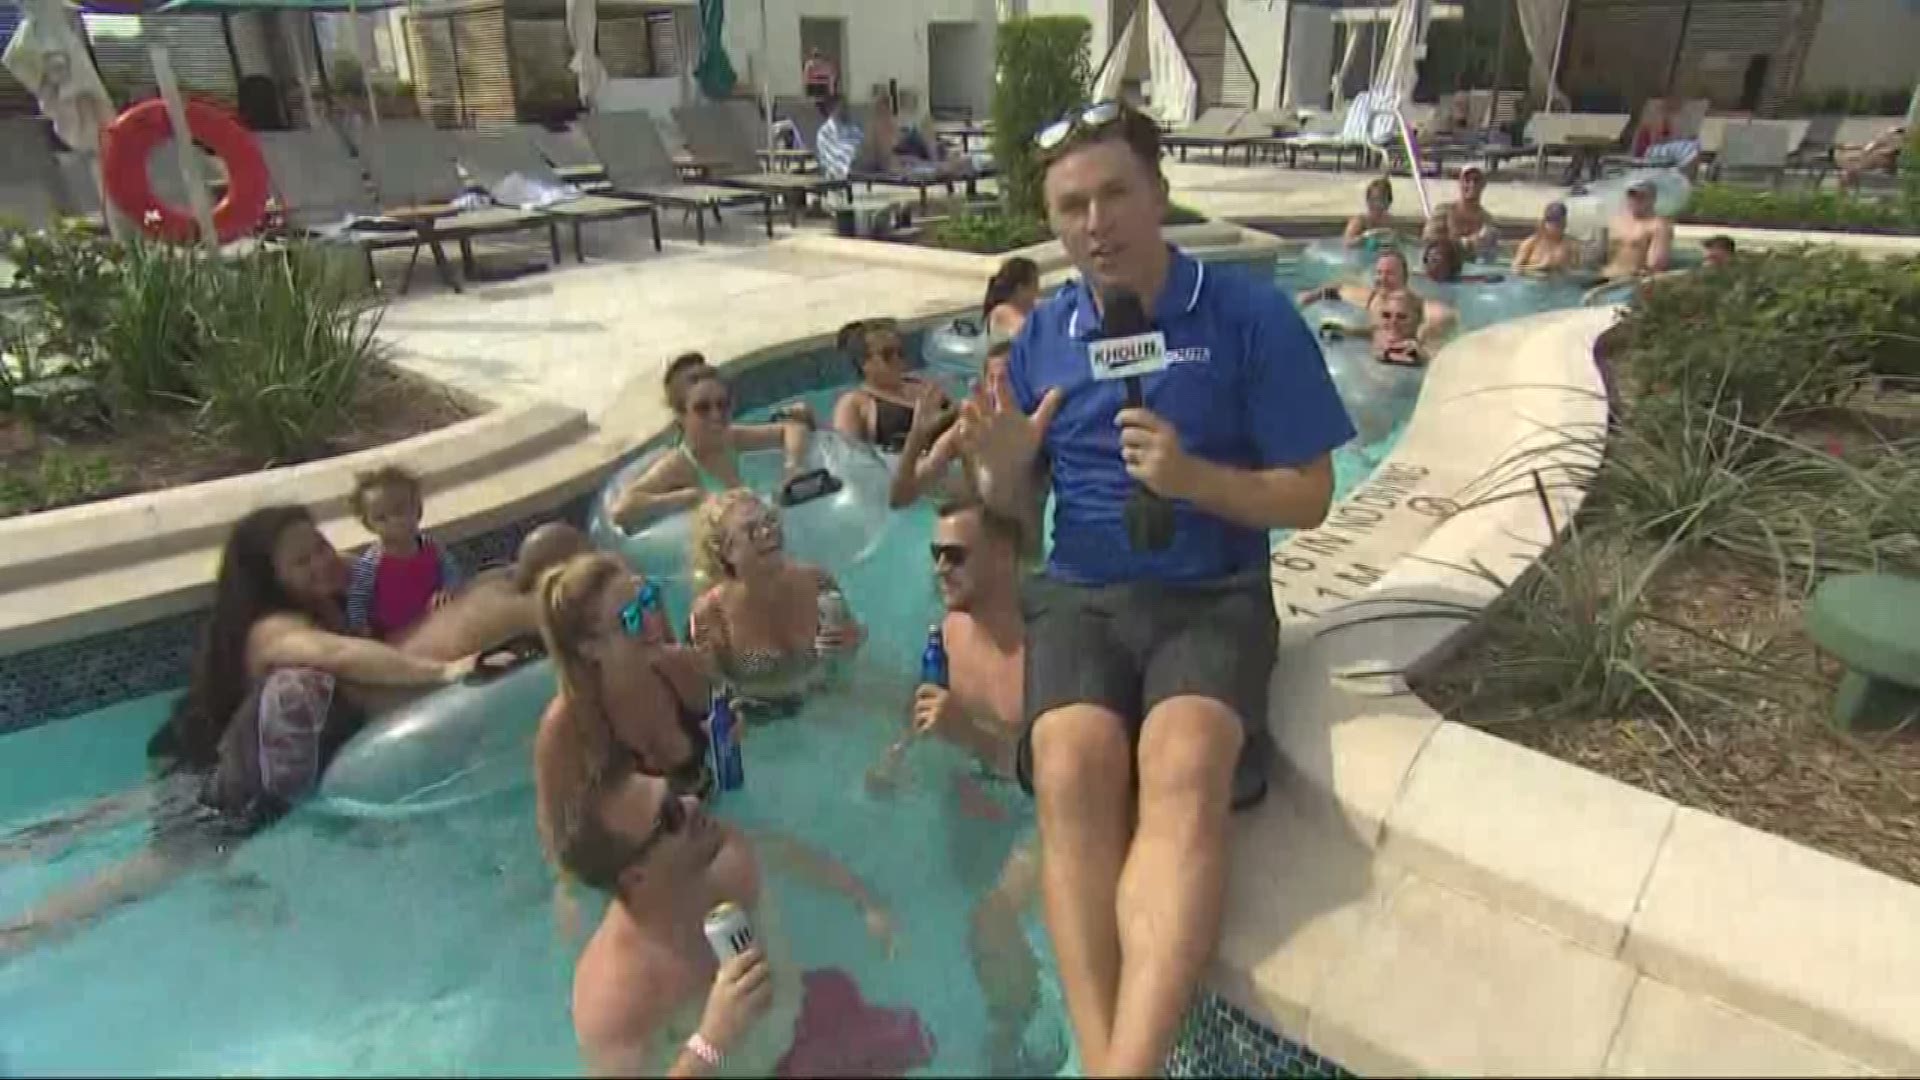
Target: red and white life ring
131 140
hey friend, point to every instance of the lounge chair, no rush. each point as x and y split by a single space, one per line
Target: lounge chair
492 156
412 165
1582 136
323 193
1351 136
1755 146
867 169
638 166
570 154
721 137
1213 129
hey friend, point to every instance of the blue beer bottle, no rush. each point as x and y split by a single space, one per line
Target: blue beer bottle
723 738
933 659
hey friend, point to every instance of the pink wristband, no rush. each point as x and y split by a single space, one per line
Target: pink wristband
704 1050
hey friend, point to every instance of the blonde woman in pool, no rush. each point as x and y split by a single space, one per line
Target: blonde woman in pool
759 618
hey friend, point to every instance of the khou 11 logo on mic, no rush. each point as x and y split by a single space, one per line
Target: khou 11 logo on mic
1128 357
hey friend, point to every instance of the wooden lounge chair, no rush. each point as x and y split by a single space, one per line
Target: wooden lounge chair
1214 129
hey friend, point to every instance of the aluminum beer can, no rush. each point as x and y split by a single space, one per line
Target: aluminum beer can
728 930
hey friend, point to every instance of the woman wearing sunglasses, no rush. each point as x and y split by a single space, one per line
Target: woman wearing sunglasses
880 410
761 619
629 696
708 457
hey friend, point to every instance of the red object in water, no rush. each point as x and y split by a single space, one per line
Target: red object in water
839 1034
131 140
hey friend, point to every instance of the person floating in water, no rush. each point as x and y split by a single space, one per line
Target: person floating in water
278 685
500 604
1011 294
1640 240
976 561
401 575
1468 222
1390 278
1717 251
764 621
708 457
650 998
879 411
1396 337
1374 225
1549 250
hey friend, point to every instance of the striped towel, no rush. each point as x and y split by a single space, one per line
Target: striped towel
836 146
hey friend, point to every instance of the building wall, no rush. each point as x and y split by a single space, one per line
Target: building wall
884 39
1864 45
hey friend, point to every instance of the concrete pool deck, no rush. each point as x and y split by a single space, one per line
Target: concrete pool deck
1416 896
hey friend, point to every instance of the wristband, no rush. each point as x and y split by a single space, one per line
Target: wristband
699 1047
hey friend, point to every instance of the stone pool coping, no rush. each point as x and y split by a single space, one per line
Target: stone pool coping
1423 897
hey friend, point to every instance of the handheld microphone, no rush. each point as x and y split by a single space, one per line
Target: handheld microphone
1124 322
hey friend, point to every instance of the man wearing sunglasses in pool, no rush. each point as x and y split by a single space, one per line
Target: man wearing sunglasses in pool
1178 412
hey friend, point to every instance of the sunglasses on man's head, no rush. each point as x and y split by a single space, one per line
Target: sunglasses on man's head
956 554
646 601
1080 121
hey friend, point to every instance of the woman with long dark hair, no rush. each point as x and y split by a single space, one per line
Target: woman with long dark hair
1011 294
277 686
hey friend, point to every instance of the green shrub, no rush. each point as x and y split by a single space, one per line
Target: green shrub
1042 71
988 233
285 344
1727 204
1776 330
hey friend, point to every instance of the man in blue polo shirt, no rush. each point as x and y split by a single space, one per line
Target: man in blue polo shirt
1147 656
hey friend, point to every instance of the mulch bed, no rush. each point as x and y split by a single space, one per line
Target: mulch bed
1766 757
162 450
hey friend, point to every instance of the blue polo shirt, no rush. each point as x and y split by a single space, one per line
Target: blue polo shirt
1246 386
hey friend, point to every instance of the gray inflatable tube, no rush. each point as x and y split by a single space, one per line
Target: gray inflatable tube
955 352
456 746
837 531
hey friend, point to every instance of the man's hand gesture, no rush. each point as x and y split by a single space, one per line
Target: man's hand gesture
1002 442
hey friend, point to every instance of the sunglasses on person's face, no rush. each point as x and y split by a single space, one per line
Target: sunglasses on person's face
672 818
646 601
954 555
1085 120
761 529
712 408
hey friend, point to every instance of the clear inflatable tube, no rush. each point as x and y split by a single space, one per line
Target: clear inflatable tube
455 746
837 531
955 352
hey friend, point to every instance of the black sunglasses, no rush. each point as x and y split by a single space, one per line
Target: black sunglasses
671 819
1080 121
711 407
953 553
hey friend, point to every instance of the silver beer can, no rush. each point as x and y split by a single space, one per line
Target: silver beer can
728 930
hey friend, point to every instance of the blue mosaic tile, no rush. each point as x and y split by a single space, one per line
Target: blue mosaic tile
1217 1039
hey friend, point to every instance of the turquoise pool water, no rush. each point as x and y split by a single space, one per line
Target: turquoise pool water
429 945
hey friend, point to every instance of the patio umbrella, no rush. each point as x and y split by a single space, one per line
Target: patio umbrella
715 71
583 28
53 64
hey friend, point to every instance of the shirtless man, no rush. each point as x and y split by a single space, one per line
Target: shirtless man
649 997
1395 336
1641 241
1467 221
1389 279
499 603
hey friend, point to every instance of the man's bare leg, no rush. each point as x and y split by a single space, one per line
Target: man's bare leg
1004 963
1174 882
1082 780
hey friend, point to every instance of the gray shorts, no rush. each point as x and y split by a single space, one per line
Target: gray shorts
1129 647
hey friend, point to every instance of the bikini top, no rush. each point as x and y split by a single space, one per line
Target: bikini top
752 669
707 481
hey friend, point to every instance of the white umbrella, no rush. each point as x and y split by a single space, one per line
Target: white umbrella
52 62
583 24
